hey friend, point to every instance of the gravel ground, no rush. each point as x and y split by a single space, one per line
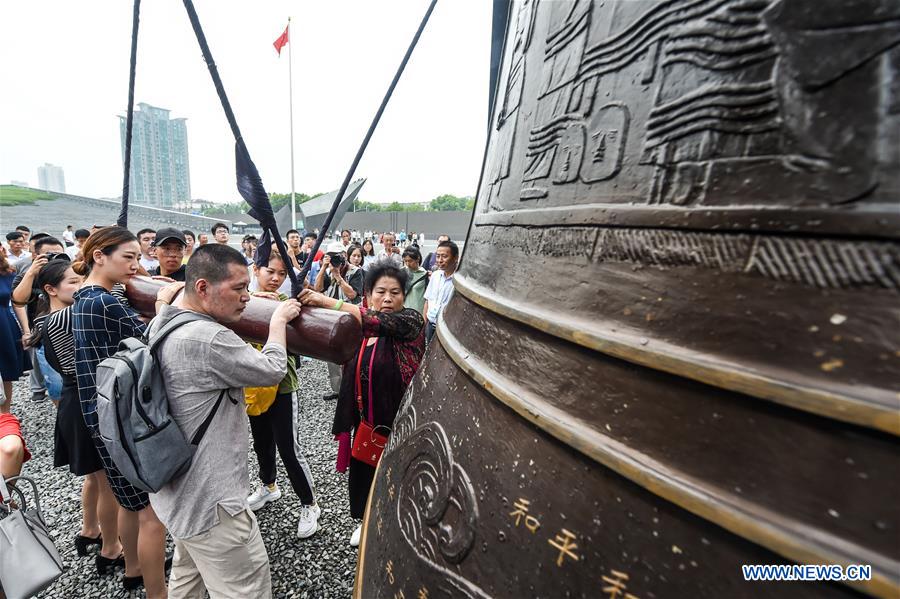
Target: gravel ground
321 566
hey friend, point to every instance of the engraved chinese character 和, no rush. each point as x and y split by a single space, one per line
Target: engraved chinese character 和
531 523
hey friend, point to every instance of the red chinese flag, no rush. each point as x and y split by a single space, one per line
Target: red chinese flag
281 41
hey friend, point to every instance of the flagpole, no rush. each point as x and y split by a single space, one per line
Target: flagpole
291 100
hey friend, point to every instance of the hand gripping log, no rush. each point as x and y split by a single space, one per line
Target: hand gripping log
318 333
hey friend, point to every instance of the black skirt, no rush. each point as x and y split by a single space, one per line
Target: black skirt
72 442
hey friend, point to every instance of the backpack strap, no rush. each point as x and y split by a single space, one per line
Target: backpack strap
177 321
416 282
198 436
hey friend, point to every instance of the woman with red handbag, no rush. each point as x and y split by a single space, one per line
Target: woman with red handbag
375 380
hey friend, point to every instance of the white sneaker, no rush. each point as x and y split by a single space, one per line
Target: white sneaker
354 538
309 521
262 496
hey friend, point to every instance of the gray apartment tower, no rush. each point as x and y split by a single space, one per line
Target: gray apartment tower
51 178
160 173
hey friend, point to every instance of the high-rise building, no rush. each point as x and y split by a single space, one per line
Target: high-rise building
160 173
51 178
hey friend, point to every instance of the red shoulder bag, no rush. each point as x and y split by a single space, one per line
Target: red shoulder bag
368 443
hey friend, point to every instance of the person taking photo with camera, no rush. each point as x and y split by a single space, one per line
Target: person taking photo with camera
24 298
342 281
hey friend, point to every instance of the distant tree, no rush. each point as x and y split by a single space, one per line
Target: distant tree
363 206
220 209
451 202
440 203
280 200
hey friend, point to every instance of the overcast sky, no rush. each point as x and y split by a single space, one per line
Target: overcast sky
64 67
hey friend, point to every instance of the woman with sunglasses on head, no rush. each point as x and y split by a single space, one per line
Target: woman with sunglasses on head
100 321
73 445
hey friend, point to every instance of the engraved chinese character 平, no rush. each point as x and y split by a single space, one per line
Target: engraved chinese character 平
531 523
616 586
389 569
566 547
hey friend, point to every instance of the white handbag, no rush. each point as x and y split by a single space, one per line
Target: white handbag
29 561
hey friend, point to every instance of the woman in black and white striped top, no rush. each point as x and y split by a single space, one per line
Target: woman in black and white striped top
73 445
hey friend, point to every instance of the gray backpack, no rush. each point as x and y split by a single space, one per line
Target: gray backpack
143 441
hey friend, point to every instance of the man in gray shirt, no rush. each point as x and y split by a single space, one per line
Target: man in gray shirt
218 544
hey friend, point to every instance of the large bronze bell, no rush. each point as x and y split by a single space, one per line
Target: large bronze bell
674 346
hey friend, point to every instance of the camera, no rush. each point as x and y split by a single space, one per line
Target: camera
60 255
337 259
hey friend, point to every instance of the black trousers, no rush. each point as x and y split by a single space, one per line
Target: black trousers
277 428
361 477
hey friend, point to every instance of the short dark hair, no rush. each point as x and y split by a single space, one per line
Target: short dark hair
454 249
381 269
347 231
142 231
82 233
443 235
413 253
23 228
37 236
309 236
14 236
218 226
188 232
211 262
288 234
46 241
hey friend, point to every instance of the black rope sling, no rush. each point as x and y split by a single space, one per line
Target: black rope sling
122 221
249 183
365 141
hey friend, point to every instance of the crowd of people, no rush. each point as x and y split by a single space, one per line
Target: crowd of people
64 310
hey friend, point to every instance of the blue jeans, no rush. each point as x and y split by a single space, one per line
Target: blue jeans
36 377
52 379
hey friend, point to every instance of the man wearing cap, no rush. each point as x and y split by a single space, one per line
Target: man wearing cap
169 244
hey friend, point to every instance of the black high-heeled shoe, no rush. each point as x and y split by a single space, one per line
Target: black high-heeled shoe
106 565
130 583
82 544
